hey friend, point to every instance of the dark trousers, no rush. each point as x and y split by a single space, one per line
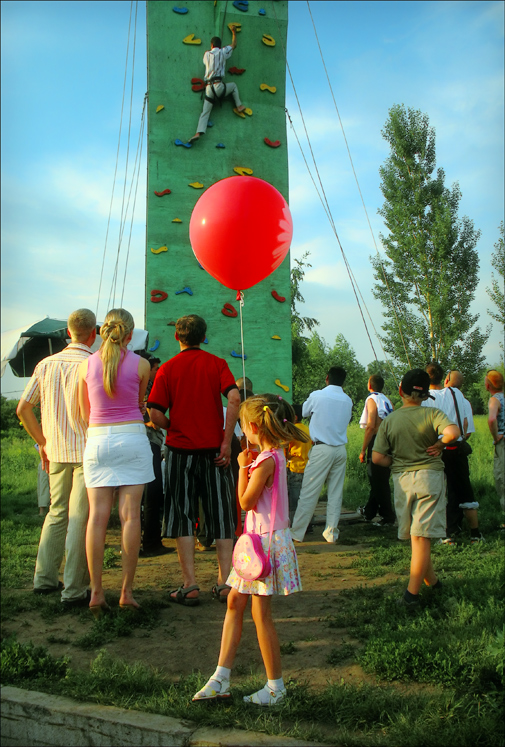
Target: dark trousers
379 500
459 488
153 503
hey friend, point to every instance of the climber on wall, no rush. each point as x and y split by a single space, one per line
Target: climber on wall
215 88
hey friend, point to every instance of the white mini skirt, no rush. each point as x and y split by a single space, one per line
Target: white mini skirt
117 455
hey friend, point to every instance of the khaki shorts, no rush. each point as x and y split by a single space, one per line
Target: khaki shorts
420 503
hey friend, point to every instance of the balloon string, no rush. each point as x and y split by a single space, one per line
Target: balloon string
240 298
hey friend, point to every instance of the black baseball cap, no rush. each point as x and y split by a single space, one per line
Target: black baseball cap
416 380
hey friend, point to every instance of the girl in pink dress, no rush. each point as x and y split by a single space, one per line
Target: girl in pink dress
268 422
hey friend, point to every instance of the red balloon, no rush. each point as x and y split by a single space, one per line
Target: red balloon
241 230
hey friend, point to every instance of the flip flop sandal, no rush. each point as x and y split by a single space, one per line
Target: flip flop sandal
181 596
216 592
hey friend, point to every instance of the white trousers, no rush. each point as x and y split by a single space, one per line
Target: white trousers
231 90
325 463
64 532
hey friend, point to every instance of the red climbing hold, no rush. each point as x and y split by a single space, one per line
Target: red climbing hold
278 298
197 84
228 310
272 145
236 70
165 192
157 296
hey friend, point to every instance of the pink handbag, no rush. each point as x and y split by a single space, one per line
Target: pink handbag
249 559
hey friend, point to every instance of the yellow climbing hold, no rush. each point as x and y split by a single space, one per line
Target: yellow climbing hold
239 114
190 39
196 185
248 111
243 171
177 220
268 40
236 26
282 386
159 108
264 87
275 337
161 249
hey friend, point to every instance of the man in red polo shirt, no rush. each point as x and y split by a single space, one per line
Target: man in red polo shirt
189 386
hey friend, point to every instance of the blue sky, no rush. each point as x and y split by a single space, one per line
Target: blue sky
63 65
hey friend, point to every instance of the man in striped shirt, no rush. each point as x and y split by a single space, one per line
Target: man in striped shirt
61 439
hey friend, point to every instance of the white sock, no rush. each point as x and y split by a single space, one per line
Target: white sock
222 672
276 684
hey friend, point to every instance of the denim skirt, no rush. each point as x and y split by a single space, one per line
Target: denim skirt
117 455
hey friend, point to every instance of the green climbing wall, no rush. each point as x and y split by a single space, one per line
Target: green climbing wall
171 66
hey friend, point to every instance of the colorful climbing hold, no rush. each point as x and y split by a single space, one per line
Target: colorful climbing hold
239 114
282 386
242 5
237 355
157 296
161 249
228 310
165 192
155 346
176 220
272 145
220 145
268 40
278 298
210 124
179 142
190 39
264 87
248 111
159 108
206 342
197 84
236 26
236 70
182 11
262 12
243 171
196 185
186 289
275 337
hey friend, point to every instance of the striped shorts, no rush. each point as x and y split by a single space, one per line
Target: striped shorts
191 476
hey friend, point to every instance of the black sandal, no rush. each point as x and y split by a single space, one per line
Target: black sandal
216 592
181 596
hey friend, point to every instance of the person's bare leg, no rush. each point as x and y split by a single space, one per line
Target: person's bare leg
100 504
224 549
472 517
232 628
421 567
267 636
186 553
130 497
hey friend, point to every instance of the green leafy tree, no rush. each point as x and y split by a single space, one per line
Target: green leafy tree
427 281
8 418
496 292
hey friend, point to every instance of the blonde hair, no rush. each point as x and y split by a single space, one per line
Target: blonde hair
495 378
117 326
81 324
274 418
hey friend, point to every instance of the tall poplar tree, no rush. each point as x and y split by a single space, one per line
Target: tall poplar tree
427 280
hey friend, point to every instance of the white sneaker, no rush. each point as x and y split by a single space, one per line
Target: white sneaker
266 697
216 687
331 535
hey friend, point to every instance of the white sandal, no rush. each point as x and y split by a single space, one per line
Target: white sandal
266 697
216 687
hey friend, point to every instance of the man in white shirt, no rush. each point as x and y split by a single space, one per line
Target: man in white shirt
216 89
330 411
455 462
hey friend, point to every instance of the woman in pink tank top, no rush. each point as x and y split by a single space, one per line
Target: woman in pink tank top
112 384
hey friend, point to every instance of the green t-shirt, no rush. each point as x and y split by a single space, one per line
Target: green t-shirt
406 434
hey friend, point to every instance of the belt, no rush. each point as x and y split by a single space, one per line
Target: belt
108 430
319 443
214 80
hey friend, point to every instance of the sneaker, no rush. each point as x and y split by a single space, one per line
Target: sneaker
361 511
446 541
383 523
411 604
217 687
477 540
266 697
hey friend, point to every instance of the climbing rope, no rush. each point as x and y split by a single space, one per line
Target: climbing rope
393 305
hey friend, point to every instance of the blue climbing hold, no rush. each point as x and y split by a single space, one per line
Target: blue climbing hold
210 124
220 145
262 12
205 342
242 5
155 346
179 142
185 290
182 11
237 355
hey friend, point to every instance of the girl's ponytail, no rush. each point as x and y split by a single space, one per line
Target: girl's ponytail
117 326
